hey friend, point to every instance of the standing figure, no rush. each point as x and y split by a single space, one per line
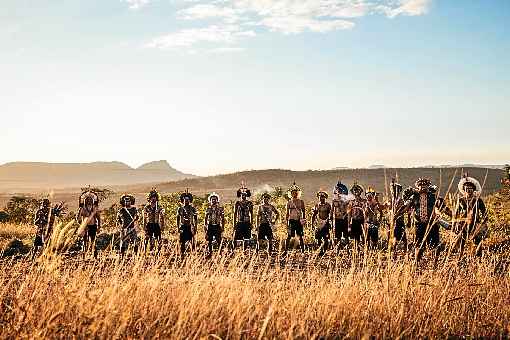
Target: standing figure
267 216
373 217
41 221
424 202
214 222
187 220
339 211
127 217
89 218
153 220
356 213
295 216
322 212
243 216
470 213
399 224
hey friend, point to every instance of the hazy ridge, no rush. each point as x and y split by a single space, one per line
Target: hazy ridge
18 176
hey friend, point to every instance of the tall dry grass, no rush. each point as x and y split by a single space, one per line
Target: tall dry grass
10 231
251 296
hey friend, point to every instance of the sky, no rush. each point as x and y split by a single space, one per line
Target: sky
216 86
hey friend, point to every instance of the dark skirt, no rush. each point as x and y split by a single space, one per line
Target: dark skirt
265 232
90 233
185 233
341 228
432 240
213 232
153 230
243 231
357 230
323 232
295 228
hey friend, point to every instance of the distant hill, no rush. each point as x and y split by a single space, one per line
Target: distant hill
311 181
21 176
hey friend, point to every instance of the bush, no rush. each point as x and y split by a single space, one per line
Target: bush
21 209
4 217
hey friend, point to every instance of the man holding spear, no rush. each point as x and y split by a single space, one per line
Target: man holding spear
356 213
470 213
426 204
89 218
339 211
322 213
295 216
187 220
267 216
243 216
153 219
214 222
127 217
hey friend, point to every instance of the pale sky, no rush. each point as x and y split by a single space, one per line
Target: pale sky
215 86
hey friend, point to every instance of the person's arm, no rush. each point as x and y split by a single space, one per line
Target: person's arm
206 219
258 215
78 216
236 208
251 214
483 211
178 218
314 215
442 207
287 213
349 216
195 220
222 220
403 208
36 217
98 219
118 223
303 208
161 218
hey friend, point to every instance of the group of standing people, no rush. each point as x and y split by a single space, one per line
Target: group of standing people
354 214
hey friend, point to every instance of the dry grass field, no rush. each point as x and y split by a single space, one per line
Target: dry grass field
245 296
248 295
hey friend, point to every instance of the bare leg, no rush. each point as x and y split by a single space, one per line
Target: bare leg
301 243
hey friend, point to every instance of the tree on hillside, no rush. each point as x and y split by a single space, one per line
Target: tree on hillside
4 217
21 209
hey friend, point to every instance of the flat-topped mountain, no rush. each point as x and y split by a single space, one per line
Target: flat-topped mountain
19 176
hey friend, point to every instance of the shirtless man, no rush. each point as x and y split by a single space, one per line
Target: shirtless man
41 221
339 211
356 213
295 217
373 217
127 217
214 222
267 216
153 219
89 218
187 220
399 224
470 214
243 216
322 213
